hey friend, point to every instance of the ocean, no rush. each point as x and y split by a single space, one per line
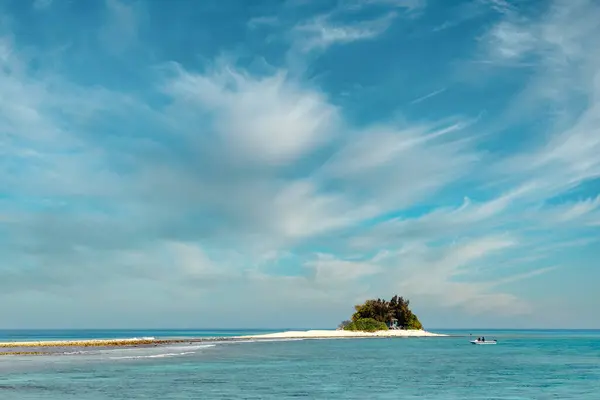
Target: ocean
523 365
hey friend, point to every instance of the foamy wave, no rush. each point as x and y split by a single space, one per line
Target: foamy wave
189 347
171 351
164 355
73 353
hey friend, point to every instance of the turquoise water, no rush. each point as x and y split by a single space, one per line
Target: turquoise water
15 335
523 365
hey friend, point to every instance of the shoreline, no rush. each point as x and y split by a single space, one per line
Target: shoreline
134 342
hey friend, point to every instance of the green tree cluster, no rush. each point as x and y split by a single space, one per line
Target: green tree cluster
384 311
366 325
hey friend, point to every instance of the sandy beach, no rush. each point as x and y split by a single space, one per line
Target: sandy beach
335 334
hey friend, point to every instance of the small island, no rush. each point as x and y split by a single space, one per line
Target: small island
381 315
375 318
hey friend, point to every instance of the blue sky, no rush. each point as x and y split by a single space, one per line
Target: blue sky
272 163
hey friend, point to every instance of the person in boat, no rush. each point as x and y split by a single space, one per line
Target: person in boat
483 339
479 339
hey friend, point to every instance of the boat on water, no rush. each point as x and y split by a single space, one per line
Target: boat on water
481 340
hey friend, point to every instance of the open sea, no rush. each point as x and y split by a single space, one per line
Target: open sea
523 365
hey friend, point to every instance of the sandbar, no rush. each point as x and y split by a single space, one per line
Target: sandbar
335 334
24 346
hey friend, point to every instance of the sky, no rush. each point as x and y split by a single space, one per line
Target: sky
270 164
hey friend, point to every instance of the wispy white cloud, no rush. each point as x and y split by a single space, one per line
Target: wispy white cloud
325 30
565 81
501 6
321 32
287 122
375 163
435 275
552 40
510 41
578 211
428 96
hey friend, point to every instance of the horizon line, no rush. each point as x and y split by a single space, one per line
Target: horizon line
284 329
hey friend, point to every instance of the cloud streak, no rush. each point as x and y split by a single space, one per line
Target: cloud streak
321 33
428 96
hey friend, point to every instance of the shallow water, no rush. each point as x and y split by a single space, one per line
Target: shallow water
15 335
523 365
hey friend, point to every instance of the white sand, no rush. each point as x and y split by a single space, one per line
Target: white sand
312 334
335 334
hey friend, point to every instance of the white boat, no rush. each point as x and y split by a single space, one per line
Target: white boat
482 342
